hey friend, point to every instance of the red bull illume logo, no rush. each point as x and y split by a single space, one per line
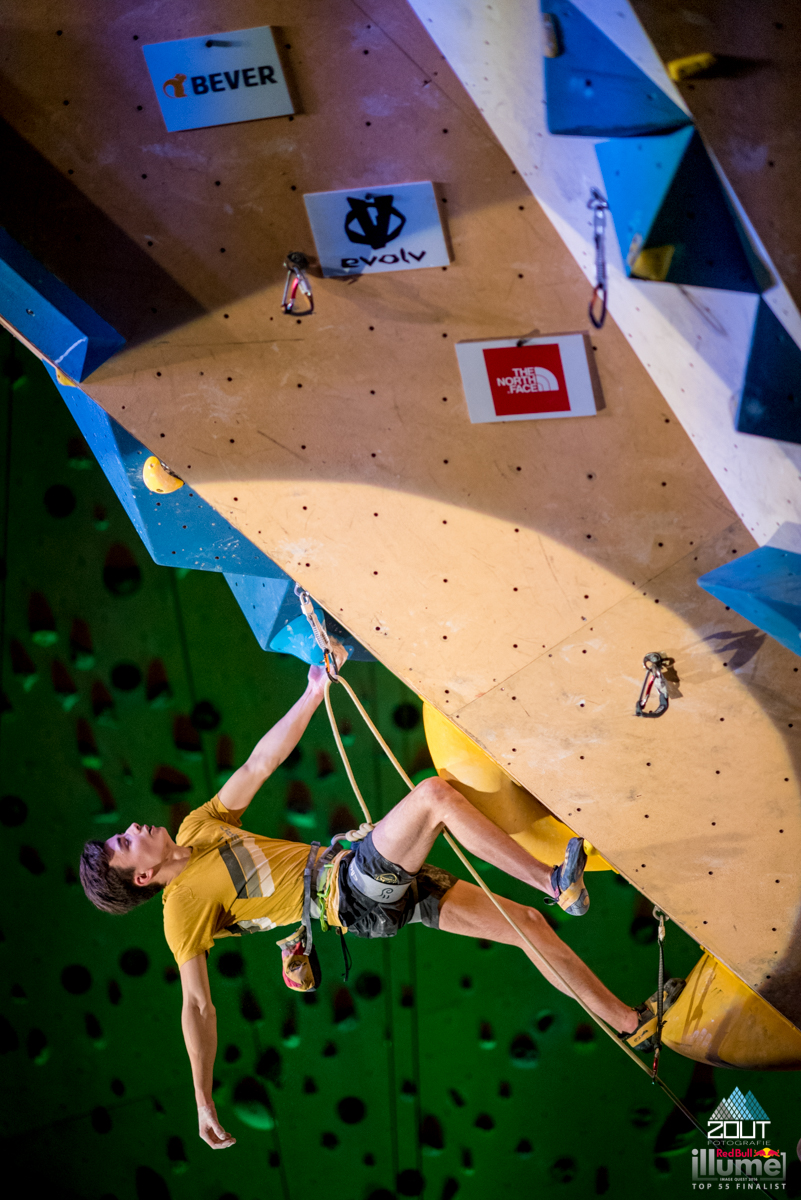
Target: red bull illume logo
738 1157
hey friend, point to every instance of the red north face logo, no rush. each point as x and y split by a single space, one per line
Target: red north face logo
527 379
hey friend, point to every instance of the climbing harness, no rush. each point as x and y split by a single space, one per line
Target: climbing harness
296 280
324 641
599 208
654 665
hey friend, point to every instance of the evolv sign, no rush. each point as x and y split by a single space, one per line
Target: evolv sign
363 231
218 79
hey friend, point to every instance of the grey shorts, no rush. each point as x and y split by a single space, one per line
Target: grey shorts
377 897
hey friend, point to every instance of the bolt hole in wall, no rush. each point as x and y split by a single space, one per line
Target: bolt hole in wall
168 691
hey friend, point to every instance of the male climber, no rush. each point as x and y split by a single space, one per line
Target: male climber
217 880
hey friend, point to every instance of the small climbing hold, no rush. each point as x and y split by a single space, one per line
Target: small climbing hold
157 477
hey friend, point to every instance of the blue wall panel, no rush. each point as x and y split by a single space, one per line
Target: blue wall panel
51 317
764 587
770 404
664 191
592 89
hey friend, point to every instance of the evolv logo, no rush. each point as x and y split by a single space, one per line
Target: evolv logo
376 230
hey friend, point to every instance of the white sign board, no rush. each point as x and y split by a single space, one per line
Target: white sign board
218 79
360 231
527 379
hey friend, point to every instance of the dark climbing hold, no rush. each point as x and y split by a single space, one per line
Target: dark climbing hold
329 1140
59 500
449 1188
250 1008
125 677
563 1170
13 811
169 782
231 964
351 1110
523 1051
309 1086
9 1041
205 716
484 1121
150 1185
411 1183
158 691
369 985
36 1046
524 1148
406 716
344 1010
121 575
252 1104
269 1066
81 650
30 860
101 1119
601 1181
41 622
232 1053
432 1137
134 962
114 993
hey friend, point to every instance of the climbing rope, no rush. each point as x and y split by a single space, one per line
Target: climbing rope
599 208
323 640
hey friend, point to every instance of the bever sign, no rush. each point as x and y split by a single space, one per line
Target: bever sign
527 378
218 79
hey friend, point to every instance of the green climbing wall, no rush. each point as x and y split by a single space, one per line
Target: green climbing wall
445 1067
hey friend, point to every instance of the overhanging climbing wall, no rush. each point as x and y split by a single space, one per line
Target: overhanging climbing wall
513 574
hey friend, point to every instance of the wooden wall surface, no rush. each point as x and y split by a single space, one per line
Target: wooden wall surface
514 574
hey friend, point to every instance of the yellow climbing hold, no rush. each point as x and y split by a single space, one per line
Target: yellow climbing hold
158 477
691 64
653 263
486 785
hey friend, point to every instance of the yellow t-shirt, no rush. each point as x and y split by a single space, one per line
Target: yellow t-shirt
233 878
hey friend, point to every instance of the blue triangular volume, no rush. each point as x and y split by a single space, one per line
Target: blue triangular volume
666 198
273 612
593 89
61 326
181 530
770 403
764 587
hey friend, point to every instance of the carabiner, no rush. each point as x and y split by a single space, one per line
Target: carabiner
296 265
653 663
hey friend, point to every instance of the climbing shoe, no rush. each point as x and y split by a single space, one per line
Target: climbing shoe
644 1035
567 880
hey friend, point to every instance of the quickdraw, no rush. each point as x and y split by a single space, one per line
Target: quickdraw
654 665
296 265
660 999
599 208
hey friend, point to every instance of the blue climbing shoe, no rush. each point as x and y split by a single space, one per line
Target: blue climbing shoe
567 880
643 1037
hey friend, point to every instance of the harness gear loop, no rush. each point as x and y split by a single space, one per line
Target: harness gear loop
296 264
539 958
599 208
654 665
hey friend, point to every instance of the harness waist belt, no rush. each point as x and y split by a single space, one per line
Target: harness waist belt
374 889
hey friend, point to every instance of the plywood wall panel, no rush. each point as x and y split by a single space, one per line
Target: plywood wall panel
492 545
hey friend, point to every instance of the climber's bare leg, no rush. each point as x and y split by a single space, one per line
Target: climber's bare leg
407 833
467 910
